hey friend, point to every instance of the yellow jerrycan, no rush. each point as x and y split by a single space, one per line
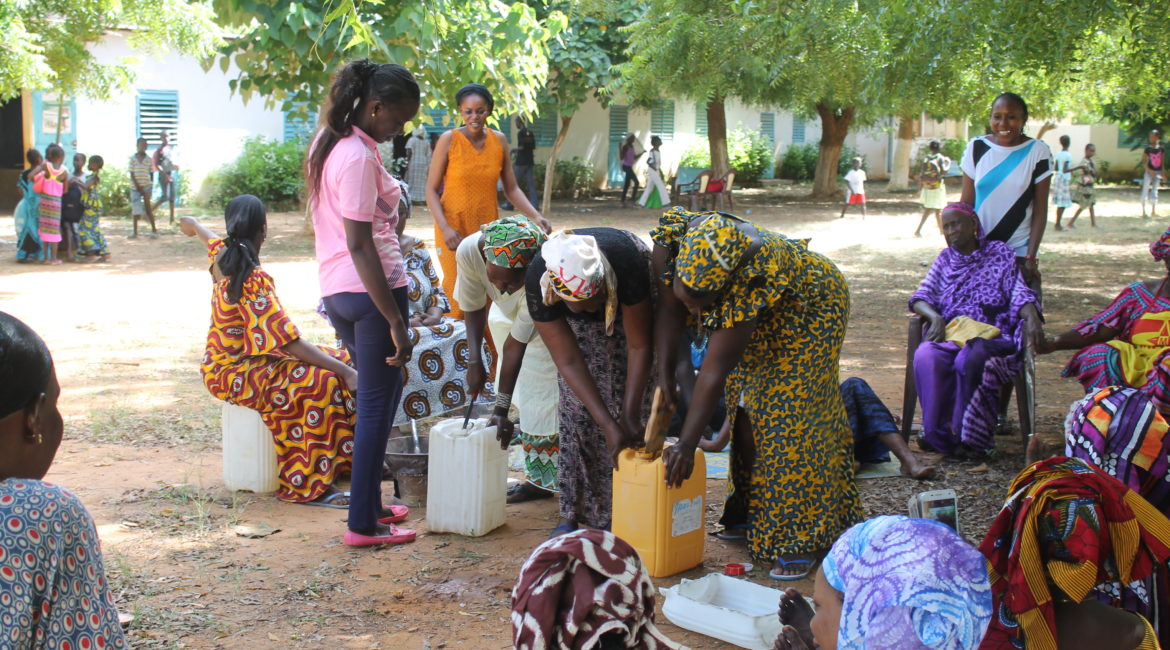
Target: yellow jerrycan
665 525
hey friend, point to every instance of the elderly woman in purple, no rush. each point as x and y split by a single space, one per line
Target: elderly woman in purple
981 316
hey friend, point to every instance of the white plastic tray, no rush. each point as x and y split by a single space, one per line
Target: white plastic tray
730 609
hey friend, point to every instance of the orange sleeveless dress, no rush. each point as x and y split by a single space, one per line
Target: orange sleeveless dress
469 197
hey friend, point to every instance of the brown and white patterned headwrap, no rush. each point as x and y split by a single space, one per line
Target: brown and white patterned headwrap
576 588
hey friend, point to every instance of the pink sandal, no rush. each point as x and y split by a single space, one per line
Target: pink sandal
397 514
397 536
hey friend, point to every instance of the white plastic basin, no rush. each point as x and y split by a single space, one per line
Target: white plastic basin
730 609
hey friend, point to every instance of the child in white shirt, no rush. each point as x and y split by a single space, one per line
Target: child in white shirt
855 195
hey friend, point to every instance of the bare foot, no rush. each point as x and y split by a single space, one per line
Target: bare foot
797 567
1036 450
789 639
797 615
917 470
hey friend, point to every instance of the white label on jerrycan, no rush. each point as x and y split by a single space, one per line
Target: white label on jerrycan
687 516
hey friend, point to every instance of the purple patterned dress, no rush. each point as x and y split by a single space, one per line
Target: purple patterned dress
959 387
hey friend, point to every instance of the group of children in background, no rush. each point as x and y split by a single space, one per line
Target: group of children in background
59 218
1064 191
1063 194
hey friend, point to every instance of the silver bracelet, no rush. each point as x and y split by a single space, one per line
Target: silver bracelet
503 401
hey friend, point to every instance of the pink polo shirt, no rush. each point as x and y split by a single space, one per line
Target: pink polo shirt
354 185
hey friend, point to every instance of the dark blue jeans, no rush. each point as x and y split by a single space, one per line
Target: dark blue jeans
366 334
630 178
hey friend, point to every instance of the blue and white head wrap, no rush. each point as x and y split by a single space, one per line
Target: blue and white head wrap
908 584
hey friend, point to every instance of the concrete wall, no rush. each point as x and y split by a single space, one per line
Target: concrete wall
212 122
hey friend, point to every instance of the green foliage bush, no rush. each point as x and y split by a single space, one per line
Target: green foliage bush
749 153
268 169
800 161
115 189
572 179
697 154
953 148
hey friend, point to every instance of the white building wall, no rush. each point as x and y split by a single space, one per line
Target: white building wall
589 133
213 123
875 145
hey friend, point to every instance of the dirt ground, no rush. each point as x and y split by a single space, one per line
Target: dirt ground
142 446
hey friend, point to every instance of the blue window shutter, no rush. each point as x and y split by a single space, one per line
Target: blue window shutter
768 127
299 122
797 129
157 111
544 128
619 121
701 120
662 119
441 121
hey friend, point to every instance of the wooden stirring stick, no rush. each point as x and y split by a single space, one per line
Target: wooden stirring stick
658 423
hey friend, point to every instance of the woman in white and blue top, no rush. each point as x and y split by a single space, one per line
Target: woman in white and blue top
1006 176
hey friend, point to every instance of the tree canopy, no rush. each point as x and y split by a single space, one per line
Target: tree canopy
287 51
582 60
48 42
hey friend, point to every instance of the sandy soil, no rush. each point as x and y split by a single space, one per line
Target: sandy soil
142 435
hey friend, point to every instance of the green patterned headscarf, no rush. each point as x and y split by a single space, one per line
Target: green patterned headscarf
511 242
709 252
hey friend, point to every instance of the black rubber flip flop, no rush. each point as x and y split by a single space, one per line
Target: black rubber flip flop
327 502
731 534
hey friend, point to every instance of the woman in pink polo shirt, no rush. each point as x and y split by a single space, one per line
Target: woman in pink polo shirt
355 209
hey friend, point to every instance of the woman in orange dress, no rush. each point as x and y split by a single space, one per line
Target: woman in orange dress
466 167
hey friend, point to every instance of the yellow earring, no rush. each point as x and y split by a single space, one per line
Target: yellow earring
38 438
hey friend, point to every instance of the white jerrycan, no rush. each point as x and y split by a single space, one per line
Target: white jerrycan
467 476
249 455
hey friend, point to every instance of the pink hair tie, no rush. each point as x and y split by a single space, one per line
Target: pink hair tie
959 206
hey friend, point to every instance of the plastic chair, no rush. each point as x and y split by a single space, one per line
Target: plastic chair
717 198
695 192
1024 382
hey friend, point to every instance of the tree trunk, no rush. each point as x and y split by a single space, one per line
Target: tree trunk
551 166
717 136
900 174
834 128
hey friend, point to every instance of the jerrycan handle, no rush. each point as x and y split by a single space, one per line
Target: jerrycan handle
657 424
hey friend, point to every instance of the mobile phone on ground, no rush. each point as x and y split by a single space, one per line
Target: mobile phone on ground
939 505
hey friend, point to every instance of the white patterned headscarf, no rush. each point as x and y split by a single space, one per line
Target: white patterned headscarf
908 584
575 270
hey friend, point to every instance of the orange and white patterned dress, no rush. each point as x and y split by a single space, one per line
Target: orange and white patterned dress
469 197
308 409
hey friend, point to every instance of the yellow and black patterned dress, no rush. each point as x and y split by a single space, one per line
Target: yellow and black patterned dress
799 495
308 409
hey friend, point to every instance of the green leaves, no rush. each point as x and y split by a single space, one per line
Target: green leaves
47 42
445 43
